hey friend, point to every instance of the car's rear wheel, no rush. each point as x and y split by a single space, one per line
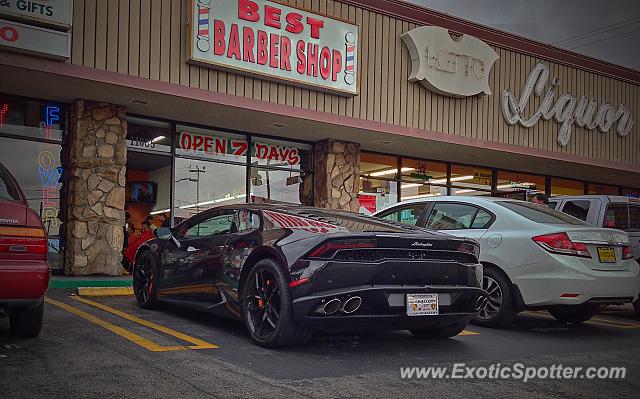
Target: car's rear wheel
267 308
445 332
144 280
499 311
574 314
27 322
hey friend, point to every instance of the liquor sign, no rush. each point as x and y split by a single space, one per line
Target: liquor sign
568 110
55 13
259 37
452 67
35 40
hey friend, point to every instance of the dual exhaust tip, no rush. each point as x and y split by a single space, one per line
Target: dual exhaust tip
347 307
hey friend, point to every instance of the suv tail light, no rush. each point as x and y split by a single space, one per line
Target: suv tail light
560 243
26 242
627 252
328 249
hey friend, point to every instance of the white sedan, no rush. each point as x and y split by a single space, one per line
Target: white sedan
534 257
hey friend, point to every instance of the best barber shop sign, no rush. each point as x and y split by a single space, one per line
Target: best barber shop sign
259 37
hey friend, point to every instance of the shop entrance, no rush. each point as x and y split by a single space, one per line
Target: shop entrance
148 188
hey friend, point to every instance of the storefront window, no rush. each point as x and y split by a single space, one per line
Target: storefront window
604 189
376 194
519 185
281 154
33 119
281 171
36 162
200 185
148 189
269 185
210 145
378 187
378 166
422 179
470 180
566 187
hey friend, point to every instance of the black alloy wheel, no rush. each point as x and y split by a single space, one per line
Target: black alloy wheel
264 303
267 309
144 281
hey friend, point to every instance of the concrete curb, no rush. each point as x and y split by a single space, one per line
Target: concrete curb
76 282
105 291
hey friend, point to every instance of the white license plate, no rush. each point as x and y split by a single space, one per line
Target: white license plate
422 304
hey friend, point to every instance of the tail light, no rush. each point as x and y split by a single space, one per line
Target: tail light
560 243
328 249
627 252
470 248
26 242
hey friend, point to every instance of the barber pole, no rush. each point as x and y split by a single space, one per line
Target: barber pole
350 50
203 40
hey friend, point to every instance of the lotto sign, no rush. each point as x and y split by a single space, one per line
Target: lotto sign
259 37
34 40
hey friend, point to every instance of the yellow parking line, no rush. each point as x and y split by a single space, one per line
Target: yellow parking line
598 321
467 332
197 343
135 338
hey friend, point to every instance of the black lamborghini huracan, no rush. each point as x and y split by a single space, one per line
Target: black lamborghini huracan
287 270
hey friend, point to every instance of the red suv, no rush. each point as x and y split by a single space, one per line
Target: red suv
24 268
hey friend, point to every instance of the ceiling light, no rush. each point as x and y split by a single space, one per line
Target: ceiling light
158 139
390 172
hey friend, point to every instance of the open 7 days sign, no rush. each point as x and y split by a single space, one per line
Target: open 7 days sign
259 37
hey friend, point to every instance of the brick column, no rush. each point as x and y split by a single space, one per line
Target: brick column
97 159
337 175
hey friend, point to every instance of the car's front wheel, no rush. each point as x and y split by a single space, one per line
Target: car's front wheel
500 309
27 322
267 308
145 286
445 332
574 314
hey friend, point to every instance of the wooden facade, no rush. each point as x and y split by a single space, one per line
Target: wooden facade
148 38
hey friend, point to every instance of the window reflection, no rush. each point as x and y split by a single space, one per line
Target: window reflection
200 185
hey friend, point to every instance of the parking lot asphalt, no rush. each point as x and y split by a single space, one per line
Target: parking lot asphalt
109 348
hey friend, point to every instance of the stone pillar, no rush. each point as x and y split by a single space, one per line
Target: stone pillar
97 159
337 175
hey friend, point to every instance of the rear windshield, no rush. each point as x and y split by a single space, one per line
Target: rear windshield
540 213
8 189
352 221
623 217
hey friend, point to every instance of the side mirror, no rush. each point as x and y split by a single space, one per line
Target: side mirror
164 233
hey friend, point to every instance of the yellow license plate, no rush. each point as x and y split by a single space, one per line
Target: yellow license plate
607 255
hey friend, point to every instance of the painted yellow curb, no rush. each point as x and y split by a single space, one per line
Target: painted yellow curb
105 291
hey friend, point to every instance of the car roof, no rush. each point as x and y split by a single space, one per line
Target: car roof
477 200
606 198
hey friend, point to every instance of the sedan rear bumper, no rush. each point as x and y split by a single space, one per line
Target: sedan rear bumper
577 287
384 308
